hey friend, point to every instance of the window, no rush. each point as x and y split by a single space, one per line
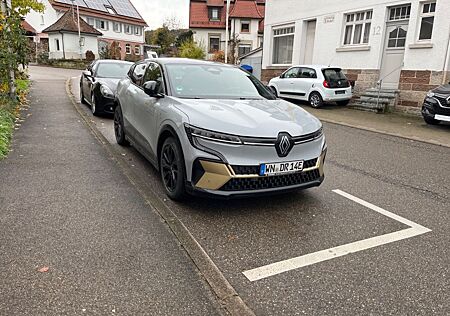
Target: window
117 27
283 45
154 74
244 49
91 21
137 31
127 49
307 73
357 28
427 21
397 38
110 10
137 50
214 14
245 27
400 13
214 44
291 73
127 28
102 24
57 45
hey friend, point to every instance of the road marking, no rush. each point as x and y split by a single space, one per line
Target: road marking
339 251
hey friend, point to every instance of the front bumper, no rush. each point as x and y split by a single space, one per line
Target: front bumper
432 107
226 180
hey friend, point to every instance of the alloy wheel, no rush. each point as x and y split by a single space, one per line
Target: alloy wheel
315 100
169 165
93 104
117 125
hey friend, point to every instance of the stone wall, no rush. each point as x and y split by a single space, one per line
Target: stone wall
414 85
272 72
363 78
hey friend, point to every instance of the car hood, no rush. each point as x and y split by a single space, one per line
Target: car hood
255 118
111 83
445 89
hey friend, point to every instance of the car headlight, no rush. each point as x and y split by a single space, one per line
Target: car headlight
106 92
196 132
430 94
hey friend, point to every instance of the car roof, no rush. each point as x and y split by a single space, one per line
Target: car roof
186 61
317 66
113 61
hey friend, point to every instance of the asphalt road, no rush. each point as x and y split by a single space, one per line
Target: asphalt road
399 274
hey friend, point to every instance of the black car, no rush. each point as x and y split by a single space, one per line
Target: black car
98 84
436 107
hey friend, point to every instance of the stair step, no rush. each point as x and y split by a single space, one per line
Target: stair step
382 94
374 100
367 107
394 91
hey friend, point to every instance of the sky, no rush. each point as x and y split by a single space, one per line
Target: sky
155 12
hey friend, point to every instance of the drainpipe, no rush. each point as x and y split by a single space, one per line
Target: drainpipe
447 61
62 43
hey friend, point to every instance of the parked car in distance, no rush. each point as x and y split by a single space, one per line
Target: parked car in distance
436 106
98 84
315 84
211 128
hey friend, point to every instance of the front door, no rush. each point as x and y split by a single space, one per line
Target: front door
394 51
309 44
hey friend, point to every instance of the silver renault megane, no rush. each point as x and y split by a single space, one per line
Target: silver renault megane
211 128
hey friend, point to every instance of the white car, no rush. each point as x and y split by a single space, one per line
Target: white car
315 84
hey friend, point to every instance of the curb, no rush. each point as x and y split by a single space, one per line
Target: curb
374 130
225 293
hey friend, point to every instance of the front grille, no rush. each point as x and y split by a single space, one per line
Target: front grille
442 100
246 170
270 182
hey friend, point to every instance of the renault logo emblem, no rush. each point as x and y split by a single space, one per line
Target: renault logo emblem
284 144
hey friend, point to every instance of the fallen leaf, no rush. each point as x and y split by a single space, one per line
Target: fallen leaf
44 269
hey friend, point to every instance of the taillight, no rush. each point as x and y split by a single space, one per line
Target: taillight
326 84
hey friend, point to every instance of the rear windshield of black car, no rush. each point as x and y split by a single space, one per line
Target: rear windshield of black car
113 70
335 78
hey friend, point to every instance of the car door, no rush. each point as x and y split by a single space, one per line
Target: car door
146 110
285 85
131 97
86 82
304 83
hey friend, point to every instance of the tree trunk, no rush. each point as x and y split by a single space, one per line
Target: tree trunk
11 79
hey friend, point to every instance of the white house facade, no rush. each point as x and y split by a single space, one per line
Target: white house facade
118 21
405 44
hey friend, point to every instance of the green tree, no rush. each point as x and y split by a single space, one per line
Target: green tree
190 49
13 42
183 37
164 38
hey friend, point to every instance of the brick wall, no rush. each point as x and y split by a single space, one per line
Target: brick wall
267 74
414 85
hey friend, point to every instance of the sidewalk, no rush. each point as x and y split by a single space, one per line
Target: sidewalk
65 206
396 124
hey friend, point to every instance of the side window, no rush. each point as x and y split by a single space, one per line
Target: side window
154 74
308 73
291 73
138 73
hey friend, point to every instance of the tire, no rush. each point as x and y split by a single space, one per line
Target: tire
343 103
82 100
94 107
430 120
119 130
315 100
172 169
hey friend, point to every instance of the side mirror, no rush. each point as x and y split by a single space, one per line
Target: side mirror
150 88
87 73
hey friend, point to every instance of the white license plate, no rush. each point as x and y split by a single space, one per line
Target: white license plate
442 118
281 168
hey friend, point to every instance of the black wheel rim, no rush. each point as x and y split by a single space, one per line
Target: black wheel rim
169 167
117 125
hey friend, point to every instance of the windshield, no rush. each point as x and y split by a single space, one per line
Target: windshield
113 70
214 82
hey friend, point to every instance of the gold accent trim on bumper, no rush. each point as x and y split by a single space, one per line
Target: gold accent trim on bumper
218 174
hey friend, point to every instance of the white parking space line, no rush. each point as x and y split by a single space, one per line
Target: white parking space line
339 251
